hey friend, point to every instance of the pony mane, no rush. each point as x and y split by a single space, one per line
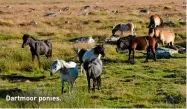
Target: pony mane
25 36
96 48
68 64
32 38
55 62
116 25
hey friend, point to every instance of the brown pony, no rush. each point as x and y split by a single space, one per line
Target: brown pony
133 43
155 21
164 35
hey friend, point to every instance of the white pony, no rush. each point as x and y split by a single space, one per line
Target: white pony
68 72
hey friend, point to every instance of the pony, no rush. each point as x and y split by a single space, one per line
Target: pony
37 47
89 55
164 35
93 71
155 21
68 72
133 43
124 27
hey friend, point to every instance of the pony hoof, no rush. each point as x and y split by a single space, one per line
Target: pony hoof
129 62
133 62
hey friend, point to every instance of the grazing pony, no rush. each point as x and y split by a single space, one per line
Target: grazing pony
93 71
68 72
37 47
133 43
155 21
89 55
164 35
124 27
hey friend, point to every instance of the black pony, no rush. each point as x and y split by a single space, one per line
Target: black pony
89 55
37 47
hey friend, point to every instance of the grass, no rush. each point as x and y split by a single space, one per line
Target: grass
142 85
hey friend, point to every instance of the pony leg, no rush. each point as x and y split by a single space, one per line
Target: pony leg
129 59
98 82
39 61
154 53
172 45
82 69
148 54
33 57
88 79
133 61
162 42
50 54
94 84
62 91
70 85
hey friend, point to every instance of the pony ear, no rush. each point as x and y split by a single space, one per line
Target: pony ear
102 44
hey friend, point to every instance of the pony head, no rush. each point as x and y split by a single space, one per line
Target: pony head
115 28
55 67
124 42
99 49
25 40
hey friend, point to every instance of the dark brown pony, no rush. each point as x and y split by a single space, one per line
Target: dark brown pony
37 47
133 43
155 21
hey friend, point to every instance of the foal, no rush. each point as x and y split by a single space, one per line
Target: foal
124 27
133 43
37 47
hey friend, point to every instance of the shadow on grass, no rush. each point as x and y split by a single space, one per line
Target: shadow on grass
20 78
12 91
112 61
